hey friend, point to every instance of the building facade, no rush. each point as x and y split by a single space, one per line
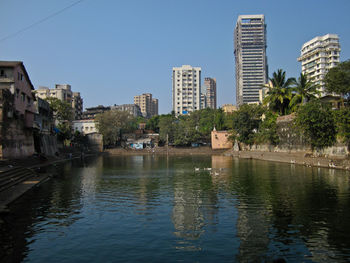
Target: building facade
77 105
63 92
186 89
318 56
90 113
250 57
132 109
210 84
147 104
16 111
84 126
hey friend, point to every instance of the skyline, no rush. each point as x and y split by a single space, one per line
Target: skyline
109 56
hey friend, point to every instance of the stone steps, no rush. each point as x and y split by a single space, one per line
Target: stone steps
14 176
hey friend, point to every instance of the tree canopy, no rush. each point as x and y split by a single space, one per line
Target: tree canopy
62 110
279 92
337 79
111 124
317 123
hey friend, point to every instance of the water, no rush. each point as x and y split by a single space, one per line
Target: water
159 209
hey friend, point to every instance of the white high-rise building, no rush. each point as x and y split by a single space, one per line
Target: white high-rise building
186 89
250 57
318 56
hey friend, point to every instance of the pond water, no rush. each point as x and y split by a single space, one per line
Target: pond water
163 209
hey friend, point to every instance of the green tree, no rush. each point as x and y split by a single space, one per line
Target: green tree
245 122
304 90
267 132
337 80
62 110
167 127
153 123
112 124
279 92
317 123
219 119
343 124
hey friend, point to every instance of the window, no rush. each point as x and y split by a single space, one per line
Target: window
17 93
23 97
28 100
2 73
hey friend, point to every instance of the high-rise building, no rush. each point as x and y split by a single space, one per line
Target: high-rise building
147 104
186 89
318 56
210 85
250 57
154 110
77 105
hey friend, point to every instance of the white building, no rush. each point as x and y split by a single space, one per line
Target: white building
319 55
186 90
84 126
250 57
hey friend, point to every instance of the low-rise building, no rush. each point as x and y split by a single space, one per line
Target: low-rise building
16 110
229 108
90 113
133 109
84 126
220 140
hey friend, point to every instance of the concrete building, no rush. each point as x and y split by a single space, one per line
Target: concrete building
133 109
318 56
203 101
77 105
16 111
154 109
63 92
186 89
229 108
147 104
84 126
210 84
90 113
250 57
220 140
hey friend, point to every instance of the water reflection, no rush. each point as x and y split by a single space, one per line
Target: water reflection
156 208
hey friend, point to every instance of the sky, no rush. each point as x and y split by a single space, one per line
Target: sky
111 50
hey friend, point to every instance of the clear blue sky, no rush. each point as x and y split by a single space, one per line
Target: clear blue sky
111 50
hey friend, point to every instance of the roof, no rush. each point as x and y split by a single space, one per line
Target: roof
12 64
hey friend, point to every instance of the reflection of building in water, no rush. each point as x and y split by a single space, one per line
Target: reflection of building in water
187 215
253 232
89 180
219 161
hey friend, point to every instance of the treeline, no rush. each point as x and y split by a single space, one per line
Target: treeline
255 124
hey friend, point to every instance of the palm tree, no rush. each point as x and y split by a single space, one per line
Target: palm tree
279 92
303 91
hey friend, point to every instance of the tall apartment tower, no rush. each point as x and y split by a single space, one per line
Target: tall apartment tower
186 89
210 85
147 104
250 57
318 56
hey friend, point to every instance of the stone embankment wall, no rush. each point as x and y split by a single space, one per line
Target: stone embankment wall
95 141
48 144
16 140
292 141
